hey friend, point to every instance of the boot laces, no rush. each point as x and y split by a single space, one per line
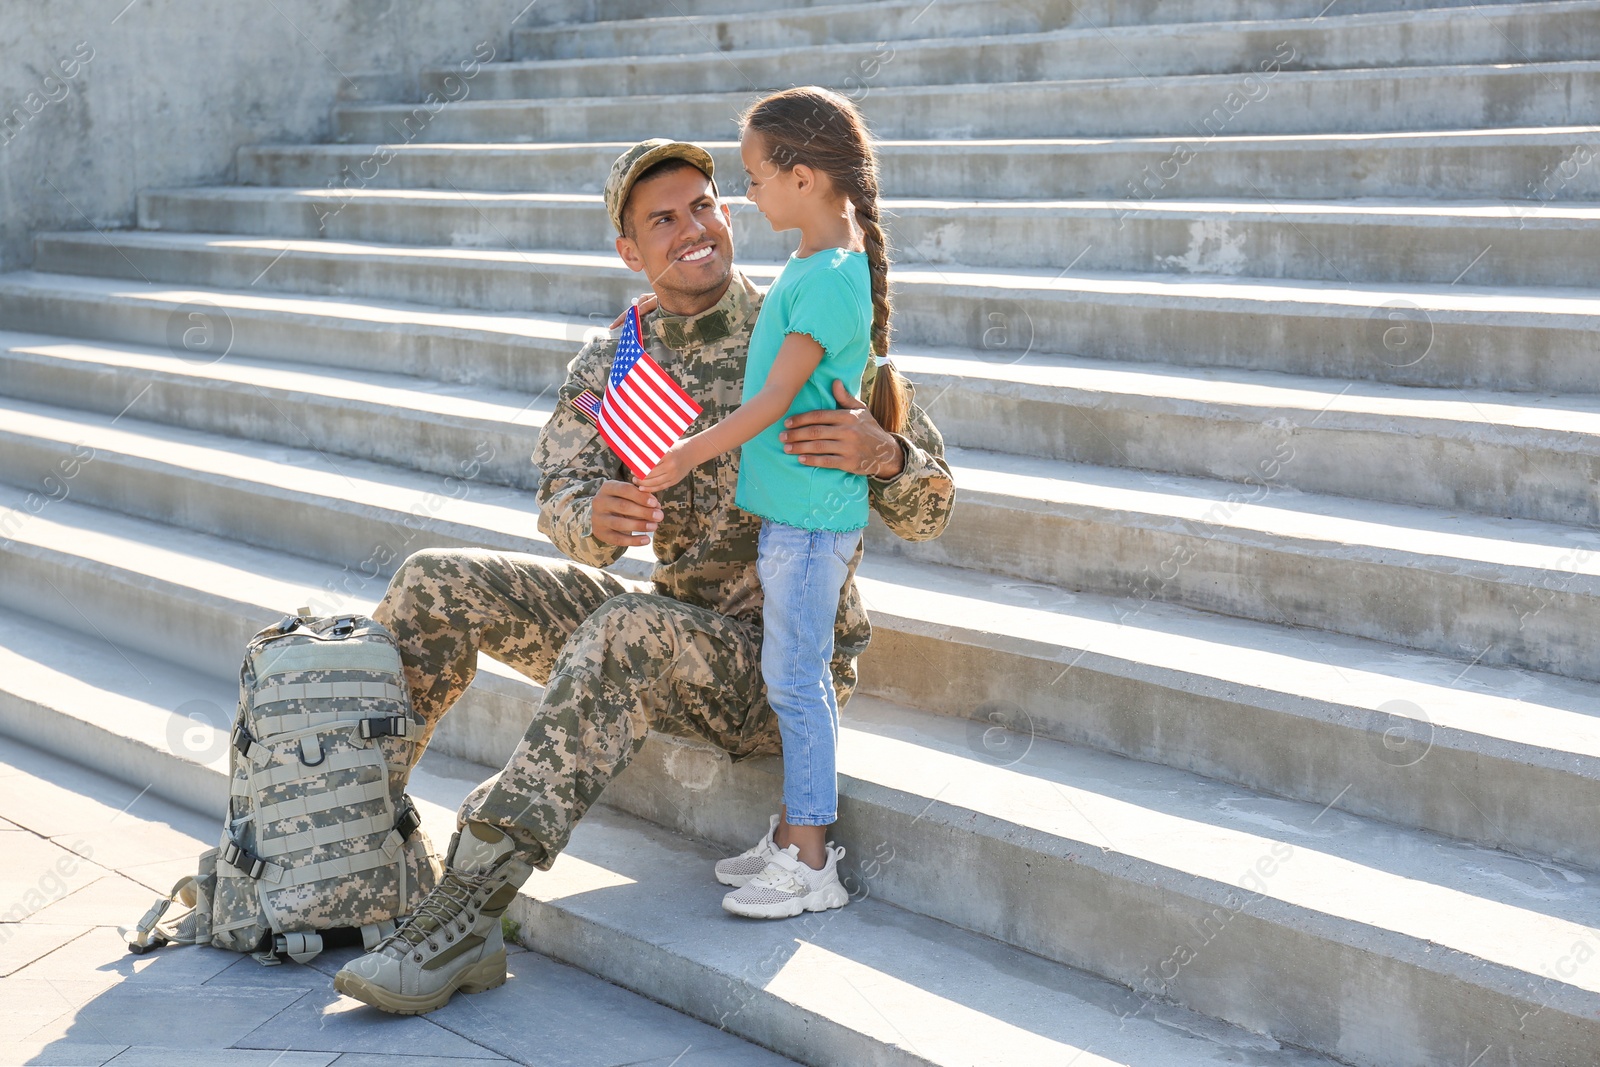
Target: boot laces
439 910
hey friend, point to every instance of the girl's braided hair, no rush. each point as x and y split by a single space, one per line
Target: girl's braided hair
824 131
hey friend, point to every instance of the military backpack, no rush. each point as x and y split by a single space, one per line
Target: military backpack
321 843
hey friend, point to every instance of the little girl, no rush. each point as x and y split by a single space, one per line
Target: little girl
811 167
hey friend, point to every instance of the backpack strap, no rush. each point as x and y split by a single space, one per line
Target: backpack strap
271 777
280 729
406 823
337 867
252 865
279 844
302 948
372 933
164 925
345 795
144 936
274 694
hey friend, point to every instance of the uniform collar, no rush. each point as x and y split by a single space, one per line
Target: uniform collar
727 316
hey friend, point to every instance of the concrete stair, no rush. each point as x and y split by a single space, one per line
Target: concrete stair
1245 713
1526 164
1399 240
1508 33
1332 101
626 28
205 325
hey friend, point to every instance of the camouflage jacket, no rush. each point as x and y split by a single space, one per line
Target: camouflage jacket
705 547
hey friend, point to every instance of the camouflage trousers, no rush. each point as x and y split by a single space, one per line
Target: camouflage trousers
615 660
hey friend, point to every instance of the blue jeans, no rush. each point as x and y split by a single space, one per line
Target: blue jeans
802 573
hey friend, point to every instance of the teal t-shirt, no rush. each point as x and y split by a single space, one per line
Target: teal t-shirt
827 296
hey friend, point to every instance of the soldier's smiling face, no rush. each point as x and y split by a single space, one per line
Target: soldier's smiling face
677 233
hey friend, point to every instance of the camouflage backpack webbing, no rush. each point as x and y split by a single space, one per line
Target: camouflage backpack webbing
319 833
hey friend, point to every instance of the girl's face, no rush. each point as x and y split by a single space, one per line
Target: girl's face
776 193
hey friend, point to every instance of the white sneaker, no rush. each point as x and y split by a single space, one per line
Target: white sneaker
738 870
788 887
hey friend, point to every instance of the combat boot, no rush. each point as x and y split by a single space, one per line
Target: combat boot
453 940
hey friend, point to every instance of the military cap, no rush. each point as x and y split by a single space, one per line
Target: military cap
640 158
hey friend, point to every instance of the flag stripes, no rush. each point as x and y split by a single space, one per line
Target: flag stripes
644 412
589 404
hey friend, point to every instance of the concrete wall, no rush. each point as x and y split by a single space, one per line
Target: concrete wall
102 98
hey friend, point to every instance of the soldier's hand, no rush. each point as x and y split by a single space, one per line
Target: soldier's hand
846 438
623 514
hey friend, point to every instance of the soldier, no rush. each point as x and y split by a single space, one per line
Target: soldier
681 655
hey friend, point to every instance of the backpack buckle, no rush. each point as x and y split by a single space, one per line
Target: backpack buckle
384 726
236 855
407 822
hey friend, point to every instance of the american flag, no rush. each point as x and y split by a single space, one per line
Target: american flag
644 412
589 404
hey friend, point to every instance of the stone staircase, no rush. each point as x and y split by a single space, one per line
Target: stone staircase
1245 713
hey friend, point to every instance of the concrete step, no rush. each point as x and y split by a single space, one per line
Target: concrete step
147 587
1195 888
1202 105
1413 334
1366 241
1499 591
1522 455
630 28
363 515
569 12
938 995
461 432
510 351
1521 164
1502 454
1333 720
1505 33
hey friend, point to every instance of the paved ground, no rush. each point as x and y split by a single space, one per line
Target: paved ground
81 854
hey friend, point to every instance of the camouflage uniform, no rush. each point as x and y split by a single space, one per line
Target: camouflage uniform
683 654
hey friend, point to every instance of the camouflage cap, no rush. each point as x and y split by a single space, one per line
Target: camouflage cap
640 158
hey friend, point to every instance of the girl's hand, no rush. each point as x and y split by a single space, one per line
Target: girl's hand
672 469
646 303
